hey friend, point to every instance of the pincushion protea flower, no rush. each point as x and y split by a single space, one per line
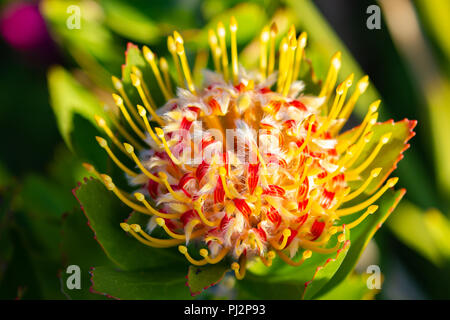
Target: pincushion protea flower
247 165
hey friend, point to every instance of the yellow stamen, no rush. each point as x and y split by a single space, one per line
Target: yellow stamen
173 51
306 255
183 250
127 228
311 119
369 120
273 34
143 114
215 50
124 132
119 102
282 68
383 140
204 253
177 196
373 174
165 70
130 150
369 210
160 134
140 197
223 49
109 184
102 124
308 163
138 85
137 72
150 57
357 149
268 260
301 44
119 87
104 144
258 193
198 209
313 248
361 87
223 173
164 242
239 270
350 210
162 223
290 65
285 236
341 93
264 39
331 78
234 54
185 66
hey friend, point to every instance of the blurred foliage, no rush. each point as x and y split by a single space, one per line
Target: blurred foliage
42 229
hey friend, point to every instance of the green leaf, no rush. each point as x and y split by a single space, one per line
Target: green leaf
361 235
201 278
45 199
74 109
427 233
105 213
7 250
353 288
324 273
129 22
390 154
92 45
153 284
5 176
65 168
434 14
78 247
282 281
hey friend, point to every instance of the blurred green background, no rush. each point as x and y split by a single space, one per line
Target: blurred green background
41 228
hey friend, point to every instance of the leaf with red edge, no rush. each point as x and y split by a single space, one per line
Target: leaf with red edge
325 272
361 235
283 281
390 154
201 278
105 213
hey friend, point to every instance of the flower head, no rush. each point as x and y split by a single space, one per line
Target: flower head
247 164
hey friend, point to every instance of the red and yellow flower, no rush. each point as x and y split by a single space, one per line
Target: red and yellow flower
247 165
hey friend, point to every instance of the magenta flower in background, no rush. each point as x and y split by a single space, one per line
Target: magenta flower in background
23 28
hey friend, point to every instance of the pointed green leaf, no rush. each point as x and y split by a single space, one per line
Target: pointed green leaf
353 288
129 22
78 247
282 281
361 235
201 278
74 109
425 232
